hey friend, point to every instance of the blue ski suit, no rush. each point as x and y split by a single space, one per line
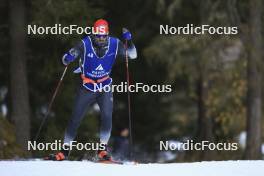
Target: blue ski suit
96 63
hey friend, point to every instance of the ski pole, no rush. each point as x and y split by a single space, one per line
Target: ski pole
50 103
129 106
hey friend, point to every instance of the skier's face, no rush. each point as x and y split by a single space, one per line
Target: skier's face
100 39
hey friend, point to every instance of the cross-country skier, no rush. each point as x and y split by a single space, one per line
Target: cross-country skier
97 54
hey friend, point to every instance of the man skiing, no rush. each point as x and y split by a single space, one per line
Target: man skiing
97 54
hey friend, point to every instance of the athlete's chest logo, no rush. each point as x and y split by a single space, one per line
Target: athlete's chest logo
99 68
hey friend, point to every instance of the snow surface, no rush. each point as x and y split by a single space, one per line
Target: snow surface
85 168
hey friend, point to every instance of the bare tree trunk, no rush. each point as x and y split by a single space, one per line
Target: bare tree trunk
253 148
205 127
205 122
20 114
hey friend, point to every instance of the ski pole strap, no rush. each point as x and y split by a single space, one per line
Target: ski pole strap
88 80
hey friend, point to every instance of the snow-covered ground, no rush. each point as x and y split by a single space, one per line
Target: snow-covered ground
84 168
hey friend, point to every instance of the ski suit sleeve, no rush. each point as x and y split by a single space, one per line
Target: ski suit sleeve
131 50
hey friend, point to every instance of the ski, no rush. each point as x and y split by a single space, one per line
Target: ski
110 162
90 161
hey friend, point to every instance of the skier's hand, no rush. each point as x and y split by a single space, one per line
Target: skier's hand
126 35
68 58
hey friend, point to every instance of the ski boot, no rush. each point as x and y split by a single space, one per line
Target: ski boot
103 155
60 156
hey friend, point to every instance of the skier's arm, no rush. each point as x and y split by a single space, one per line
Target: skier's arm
72 54
131 49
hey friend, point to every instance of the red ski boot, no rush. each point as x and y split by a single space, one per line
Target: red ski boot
60 156
105 157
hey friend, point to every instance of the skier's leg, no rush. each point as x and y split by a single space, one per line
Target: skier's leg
105 102
83 99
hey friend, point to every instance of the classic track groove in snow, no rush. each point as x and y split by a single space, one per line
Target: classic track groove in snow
83 168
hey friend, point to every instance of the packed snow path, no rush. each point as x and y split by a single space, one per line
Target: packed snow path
83 168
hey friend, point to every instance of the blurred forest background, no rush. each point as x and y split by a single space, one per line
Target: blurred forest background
216 79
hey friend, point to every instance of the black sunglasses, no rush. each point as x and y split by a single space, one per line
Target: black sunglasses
100 36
